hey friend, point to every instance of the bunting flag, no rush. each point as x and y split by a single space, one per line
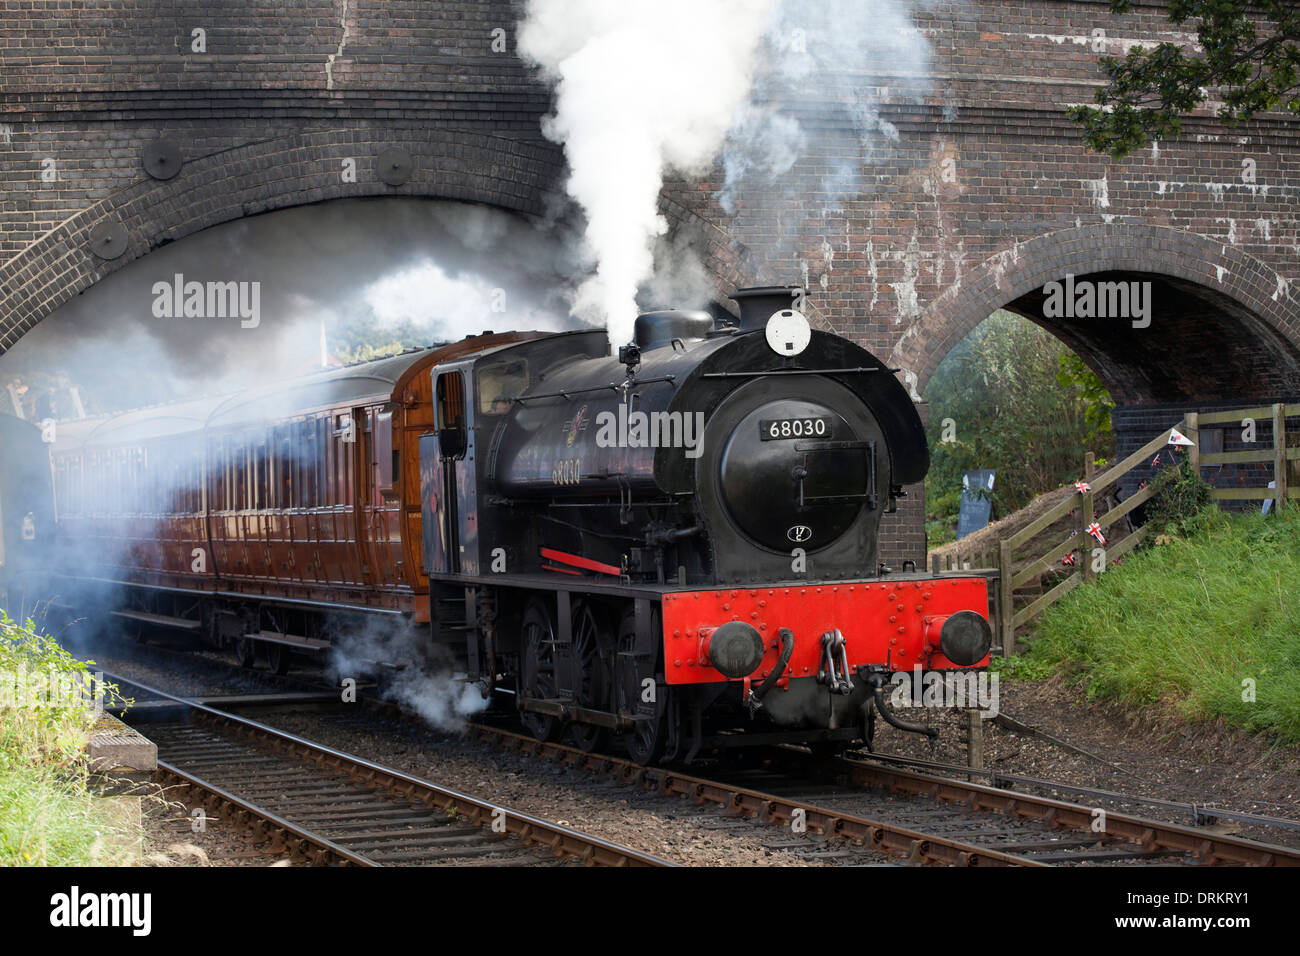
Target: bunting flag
1082 487
1155 461
1094 529
1068 560
1178 438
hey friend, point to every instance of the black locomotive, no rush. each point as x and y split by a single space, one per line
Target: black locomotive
680 544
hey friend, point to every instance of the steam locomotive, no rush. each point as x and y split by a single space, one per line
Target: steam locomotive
676 545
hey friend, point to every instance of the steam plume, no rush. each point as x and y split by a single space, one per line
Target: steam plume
641 87
649 88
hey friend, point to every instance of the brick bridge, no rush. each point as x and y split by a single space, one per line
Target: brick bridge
986 195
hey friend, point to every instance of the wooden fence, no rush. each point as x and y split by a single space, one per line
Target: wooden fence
1035 552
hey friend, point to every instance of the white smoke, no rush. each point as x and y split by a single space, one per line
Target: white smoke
424 270
642 87
834 56
407 673
649 88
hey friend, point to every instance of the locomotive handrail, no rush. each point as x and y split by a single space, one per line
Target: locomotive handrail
613 386
797 371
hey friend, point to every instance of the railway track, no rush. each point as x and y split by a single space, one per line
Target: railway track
1115 837
1199 814
803 828
865 809
922 817
325 806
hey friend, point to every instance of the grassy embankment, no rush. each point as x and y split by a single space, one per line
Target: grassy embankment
48 816
1207 625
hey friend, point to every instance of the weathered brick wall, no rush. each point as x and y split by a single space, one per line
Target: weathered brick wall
986 194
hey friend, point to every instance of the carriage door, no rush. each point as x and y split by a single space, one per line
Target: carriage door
382 505
452 441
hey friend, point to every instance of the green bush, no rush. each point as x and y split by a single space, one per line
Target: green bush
48 816
1010 397
1023 667
1179 495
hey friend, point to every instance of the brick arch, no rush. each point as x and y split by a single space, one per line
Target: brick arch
1251 289
299 169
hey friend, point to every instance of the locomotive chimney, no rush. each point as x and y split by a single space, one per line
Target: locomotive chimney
758 303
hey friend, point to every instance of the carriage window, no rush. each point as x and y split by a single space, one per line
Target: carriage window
303 465
261 463
284 468
228 466
452 436
383 451
499 383
320 459
451 400
60 486
217 474
240 457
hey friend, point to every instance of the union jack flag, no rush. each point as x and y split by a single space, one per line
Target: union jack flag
1082 487
1155 461
1094 529
1068 560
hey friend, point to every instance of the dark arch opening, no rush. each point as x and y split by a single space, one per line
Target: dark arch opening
1194 344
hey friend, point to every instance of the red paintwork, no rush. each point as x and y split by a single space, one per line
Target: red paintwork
577 561
883 624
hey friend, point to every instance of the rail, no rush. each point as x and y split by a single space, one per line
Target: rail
491 817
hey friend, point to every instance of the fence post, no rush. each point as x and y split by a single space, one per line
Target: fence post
1089 466
935 565
1279 453
1085 549
1006 609
1192 429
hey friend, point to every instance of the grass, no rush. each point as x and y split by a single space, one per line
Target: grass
1208 625
48 814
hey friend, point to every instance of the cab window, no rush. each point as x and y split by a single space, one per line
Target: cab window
499 383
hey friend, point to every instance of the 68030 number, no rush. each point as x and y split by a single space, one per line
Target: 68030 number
776 429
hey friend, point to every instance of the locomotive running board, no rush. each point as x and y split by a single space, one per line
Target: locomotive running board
290 640
162 620
568 710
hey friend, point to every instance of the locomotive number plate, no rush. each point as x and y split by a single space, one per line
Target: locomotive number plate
774 429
